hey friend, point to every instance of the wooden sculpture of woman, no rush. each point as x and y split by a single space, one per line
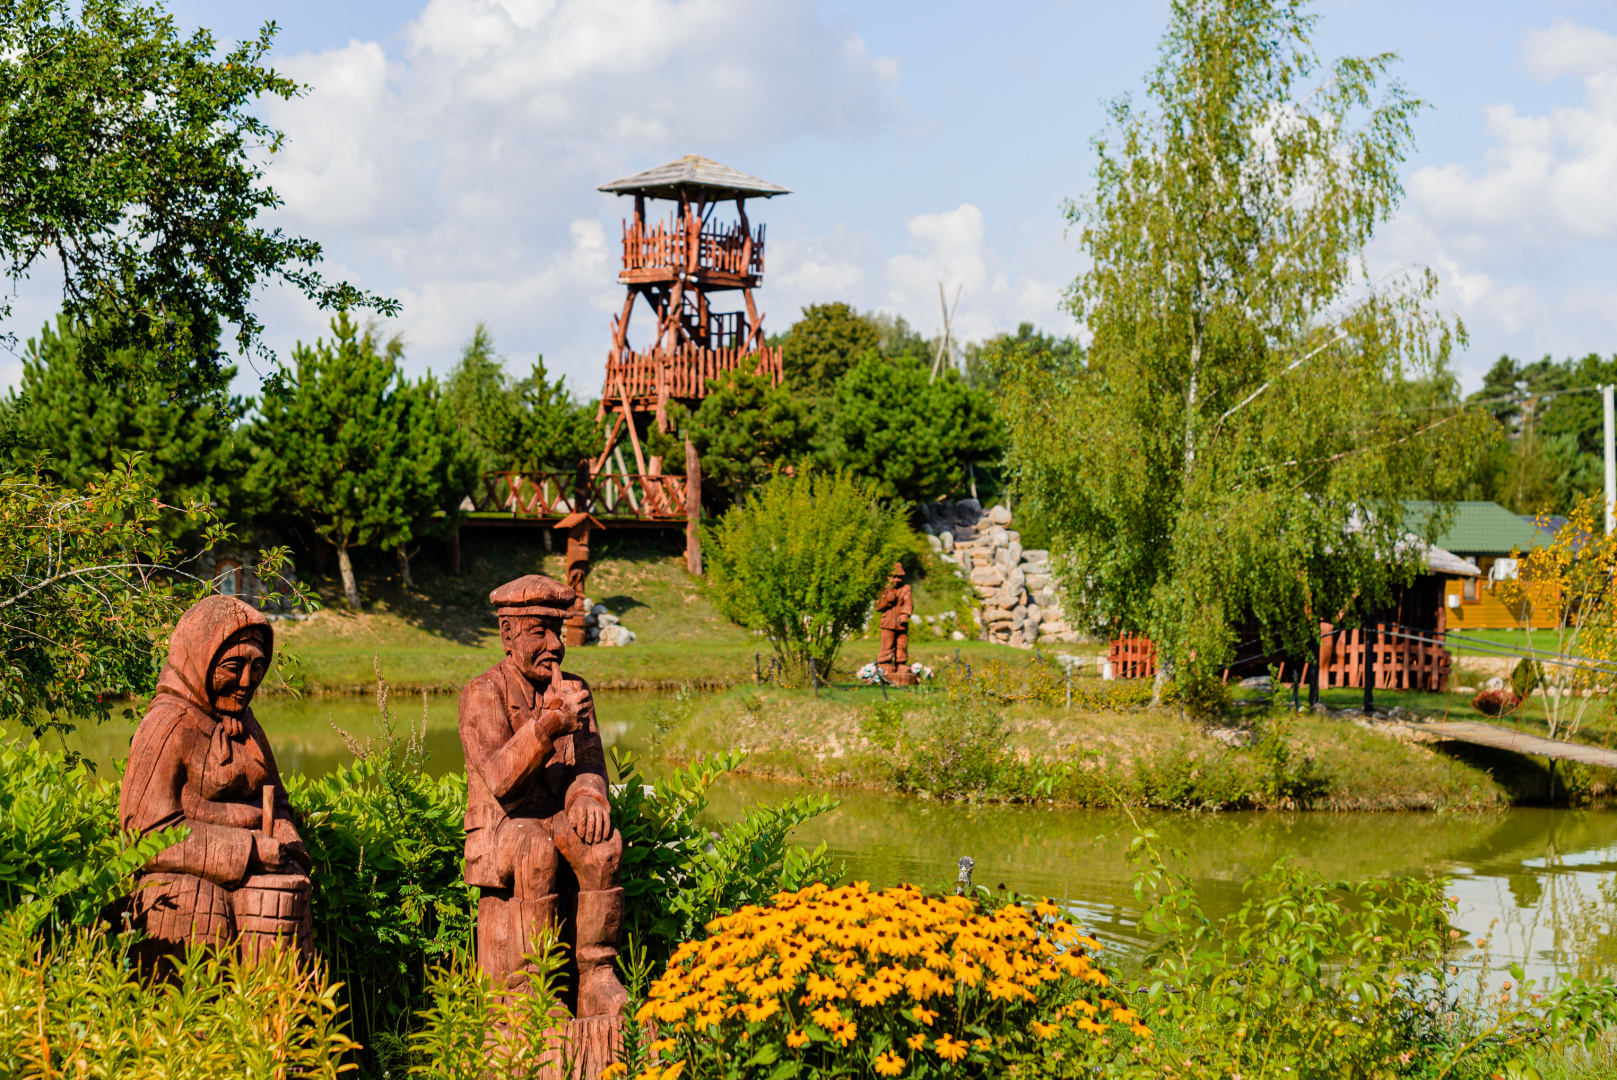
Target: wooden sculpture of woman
200 759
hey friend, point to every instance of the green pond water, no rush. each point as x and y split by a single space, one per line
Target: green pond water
1542 882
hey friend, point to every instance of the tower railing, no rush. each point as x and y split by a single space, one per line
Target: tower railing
656 374
726 248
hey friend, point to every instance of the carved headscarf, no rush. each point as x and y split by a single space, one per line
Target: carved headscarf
203 632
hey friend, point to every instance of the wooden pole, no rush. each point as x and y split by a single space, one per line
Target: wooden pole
269 809
693 509
1367 630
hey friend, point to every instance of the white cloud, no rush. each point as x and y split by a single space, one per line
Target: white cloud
1523 244
460 174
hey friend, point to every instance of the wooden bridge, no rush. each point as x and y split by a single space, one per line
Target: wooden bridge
1503 738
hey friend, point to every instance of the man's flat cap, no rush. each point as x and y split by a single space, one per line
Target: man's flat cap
534 594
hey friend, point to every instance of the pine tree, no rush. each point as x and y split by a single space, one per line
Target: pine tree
333 445
190 450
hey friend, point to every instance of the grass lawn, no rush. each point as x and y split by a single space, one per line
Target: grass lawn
440 634
1492 642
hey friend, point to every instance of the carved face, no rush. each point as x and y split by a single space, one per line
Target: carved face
534 642
236 673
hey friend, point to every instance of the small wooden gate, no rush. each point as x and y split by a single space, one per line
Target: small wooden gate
1133 658
1403 660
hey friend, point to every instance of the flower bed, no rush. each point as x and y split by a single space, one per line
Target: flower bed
847 981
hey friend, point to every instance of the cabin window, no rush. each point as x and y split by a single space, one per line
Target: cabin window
228 576
1468 590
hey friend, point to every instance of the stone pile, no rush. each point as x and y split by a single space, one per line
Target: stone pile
1020 602
601 627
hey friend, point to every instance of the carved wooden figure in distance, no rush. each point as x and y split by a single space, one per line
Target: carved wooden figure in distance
200 759
540 845
895 607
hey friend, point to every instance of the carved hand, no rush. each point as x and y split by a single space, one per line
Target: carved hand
590 820
559 714
268 851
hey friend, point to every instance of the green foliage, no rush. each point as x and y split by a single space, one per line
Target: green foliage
883 723
986 361
912 435
1285 779
79 1007
959 749
390 900
822 345
133 159
87 580
529 423
678 877
85 424
803 559
62 857
744 429
1312 978
337 448
1552 458
468 1031
1237 442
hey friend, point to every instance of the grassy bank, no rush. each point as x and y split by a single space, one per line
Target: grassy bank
439 634
924 743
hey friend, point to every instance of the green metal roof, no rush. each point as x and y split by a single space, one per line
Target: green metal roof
1477 528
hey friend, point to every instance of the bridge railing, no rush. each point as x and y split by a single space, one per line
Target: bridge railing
552 495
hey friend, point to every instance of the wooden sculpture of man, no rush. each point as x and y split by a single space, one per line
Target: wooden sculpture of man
540 845
895 607
200 759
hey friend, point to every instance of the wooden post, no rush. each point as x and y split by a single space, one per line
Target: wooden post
693 509
269 809
454 551
1367 631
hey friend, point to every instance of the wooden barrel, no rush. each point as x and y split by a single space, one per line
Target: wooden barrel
269 910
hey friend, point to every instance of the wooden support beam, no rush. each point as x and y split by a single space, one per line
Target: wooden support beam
693 509
612 437
634 436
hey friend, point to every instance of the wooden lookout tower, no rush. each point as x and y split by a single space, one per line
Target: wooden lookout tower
680 265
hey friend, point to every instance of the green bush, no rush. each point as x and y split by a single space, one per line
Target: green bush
802 560
678 876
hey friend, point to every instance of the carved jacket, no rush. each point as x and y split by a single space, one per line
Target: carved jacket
508 775
895 607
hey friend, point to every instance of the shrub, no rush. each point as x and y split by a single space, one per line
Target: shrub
78 1007
677 876
847 981
803 559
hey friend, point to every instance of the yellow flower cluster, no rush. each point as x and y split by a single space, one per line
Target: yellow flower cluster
828 962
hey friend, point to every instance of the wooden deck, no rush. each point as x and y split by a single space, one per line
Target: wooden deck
1502 738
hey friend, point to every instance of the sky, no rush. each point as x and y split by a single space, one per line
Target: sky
447 154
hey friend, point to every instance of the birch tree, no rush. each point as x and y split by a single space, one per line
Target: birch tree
1237 440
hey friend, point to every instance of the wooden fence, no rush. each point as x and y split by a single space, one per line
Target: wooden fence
654 375
729 249
606 495
1400 663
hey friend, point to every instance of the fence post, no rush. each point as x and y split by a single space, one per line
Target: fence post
757 670
1367 631
814 676
1069 687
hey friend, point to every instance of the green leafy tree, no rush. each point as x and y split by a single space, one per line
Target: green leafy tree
822 345
1236 442
132 159
744 429
803 558
528 423
986 360
913 435
333 445
84 424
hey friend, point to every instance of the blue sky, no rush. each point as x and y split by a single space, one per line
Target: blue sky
449 150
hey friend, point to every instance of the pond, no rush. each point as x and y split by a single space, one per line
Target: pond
1534 878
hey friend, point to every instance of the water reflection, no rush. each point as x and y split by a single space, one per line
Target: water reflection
1533 875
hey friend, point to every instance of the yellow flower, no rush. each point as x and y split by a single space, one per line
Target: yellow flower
1124 1016
1046 910
887 1064
757 1014
614 1070
1089 1025
673 1071
1140 1029
797 1039
983 1043
1044 1031
1087 1007
915 1042
949 1049
924 1015
826 1016
661 1045
844 1032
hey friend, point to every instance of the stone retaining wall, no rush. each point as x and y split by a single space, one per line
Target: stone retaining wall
1019 601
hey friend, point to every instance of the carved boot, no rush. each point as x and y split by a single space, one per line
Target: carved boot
600 919
529 917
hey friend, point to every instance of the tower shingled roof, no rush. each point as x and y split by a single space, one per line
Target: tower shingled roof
694 173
